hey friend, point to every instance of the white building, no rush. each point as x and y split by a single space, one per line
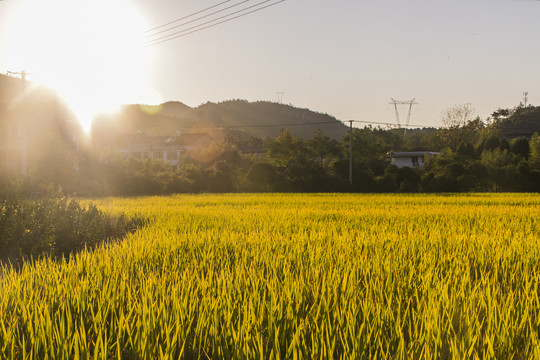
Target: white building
413 159
170 149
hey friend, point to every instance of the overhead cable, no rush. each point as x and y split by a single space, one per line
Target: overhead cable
391 124
197 19
334 122
198 28
188 16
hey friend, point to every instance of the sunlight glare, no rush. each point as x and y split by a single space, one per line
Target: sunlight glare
91 52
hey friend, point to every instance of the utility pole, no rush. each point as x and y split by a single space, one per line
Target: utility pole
350 152
23 78
19 139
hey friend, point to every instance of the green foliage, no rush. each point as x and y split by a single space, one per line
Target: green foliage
460 131
141 177
220 177
534 160
286 151
326 149
475 157
300 165
501 166
453 172
466 150
55 227
520 121
262 174
408 179
521 147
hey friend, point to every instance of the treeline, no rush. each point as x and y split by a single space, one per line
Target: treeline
474 156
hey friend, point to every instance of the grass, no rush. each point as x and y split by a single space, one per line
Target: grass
278 276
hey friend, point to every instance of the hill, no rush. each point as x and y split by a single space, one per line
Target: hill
37 109
9 88
258 119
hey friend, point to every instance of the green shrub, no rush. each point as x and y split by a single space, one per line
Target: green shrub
55 227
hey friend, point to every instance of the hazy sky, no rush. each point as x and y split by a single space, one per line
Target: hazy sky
342 57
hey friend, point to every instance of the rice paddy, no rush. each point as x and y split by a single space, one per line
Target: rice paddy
290 276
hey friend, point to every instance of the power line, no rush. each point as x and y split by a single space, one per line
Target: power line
336 122
197 19
188 16
393 124
187 32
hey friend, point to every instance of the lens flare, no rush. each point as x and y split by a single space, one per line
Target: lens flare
91 52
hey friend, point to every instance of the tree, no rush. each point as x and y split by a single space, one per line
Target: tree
220 177
408 179
501 165
466 149
458 115
520 146
445 173
286 151
460 126
501 114
325 148
292 160
262 174
534 159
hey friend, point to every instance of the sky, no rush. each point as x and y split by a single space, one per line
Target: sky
342 57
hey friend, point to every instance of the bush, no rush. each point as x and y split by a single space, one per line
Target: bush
55 227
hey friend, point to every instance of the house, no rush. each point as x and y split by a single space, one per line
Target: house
413 159
170 149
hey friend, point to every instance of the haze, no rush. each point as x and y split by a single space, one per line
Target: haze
344 58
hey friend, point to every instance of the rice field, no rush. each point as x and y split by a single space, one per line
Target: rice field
290 276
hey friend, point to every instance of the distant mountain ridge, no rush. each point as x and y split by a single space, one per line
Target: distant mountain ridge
259 119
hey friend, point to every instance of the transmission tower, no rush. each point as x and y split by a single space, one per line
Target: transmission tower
525 98
396 103
279 96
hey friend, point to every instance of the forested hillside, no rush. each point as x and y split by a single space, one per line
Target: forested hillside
258 119
520 121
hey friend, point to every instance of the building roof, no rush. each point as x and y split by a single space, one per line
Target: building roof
413 153
183 140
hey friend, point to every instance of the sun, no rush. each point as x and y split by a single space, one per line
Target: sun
92 52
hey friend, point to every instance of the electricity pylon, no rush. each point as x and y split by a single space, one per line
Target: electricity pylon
396 103
279 96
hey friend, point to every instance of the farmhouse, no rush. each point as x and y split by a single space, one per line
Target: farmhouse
413 159
170 149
